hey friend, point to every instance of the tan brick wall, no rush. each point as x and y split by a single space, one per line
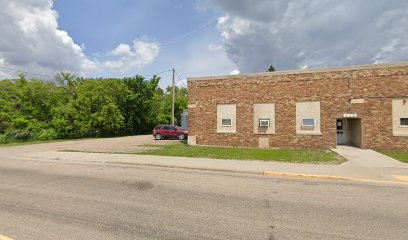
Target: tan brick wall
377 86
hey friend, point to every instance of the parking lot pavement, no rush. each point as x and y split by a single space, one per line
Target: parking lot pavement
130 144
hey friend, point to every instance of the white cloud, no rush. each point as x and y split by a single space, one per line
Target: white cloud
197 60
234 72
122 50
142 53
32 40
298 34
214 47
146 51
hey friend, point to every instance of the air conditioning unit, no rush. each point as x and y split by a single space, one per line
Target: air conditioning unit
265 122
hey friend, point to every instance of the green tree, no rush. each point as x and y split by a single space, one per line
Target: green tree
98 104
166 107
137 105
65 115
73 107
271 68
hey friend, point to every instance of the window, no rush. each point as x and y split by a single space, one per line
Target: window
308 122
264 122
404 122
166 128
226 118
226 122
308 118
264 118
339 124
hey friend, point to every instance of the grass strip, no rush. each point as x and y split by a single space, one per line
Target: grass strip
281 155
401 156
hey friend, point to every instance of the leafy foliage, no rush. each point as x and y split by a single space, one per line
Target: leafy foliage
73 107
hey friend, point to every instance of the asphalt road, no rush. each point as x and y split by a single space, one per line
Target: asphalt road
67 200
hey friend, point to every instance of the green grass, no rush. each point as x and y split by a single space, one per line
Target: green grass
401 156
281 155
29 142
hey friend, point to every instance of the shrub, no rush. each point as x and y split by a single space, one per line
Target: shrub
3 139
22 135
20 122
47 134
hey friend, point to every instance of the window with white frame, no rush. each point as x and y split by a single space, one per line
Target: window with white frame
404 122
264 122
308 122
226 122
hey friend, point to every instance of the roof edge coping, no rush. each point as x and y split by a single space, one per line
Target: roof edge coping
302 71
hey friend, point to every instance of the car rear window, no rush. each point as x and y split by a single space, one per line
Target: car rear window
158 127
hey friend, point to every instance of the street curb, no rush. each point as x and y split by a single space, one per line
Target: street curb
326 177
259 173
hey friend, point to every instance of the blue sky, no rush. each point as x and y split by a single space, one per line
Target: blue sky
179 26
120 38
105 24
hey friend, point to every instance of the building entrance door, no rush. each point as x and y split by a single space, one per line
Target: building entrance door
341 128
349 131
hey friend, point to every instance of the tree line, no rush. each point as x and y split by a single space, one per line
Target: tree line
75 107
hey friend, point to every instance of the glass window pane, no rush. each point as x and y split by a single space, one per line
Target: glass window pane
308 122
404 121
226 122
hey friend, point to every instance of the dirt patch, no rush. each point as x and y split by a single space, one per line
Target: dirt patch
130 144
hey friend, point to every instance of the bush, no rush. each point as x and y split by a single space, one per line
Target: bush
3 139
20 122
22 135
47 134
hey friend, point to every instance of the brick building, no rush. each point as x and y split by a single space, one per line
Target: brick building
364 106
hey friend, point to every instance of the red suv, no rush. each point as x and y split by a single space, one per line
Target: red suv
168 131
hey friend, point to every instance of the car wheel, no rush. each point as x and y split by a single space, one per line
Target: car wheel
181 136
158 136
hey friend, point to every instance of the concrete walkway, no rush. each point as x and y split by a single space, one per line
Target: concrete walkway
367 158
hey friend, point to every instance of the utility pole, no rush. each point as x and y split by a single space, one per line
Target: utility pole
174 99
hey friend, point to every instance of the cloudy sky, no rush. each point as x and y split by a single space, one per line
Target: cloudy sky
120 38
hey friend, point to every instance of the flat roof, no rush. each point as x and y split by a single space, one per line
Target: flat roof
301 71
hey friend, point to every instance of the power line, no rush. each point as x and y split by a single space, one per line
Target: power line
180 80
47 75
27 72
158 73
50 76
200 27
178 76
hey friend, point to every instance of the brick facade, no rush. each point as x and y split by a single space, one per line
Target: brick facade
334 88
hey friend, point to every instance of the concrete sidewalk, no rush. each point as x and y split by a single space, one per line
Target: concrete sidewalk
342 171
367 158
361 164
